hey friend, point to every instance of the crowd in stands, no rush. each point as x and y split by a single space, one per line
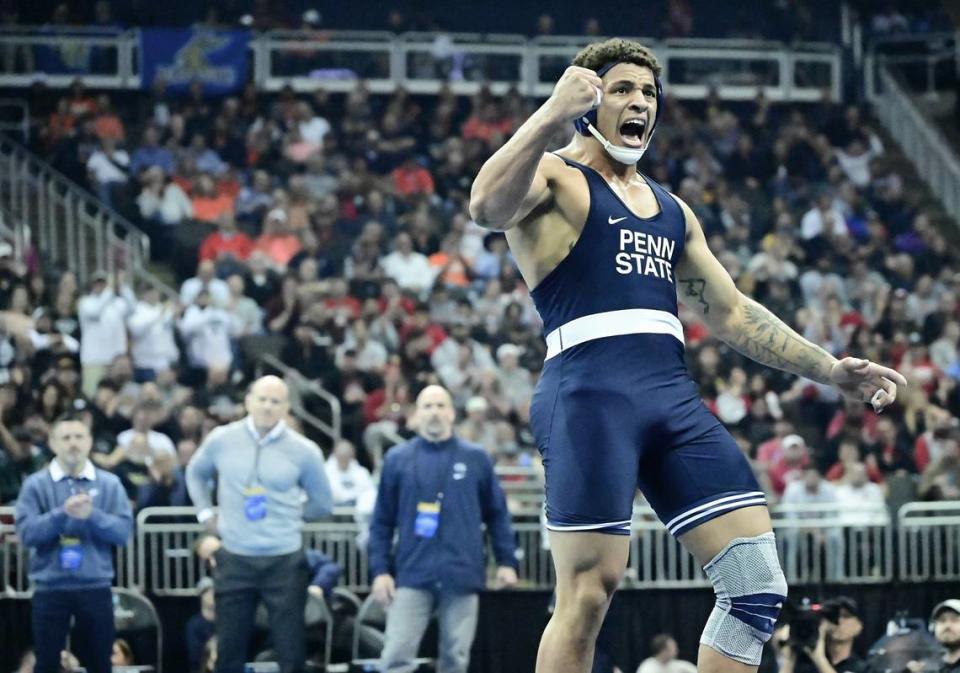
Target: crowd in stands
794 20
333 231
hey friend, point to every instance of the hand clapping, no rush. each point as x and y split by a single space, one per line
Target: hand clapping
79 506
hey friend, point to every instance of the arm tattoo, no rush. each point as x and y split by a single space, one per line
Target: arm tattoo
695 287
763 337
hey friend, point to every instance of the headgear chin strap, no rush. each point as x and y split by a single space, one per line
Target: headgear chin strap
625 155
587 125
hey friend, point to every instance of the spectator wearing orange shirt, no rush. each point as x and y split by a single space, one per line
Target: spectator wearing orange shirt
411 179
107 124
227 246
484 124
208 203
276 241
452 269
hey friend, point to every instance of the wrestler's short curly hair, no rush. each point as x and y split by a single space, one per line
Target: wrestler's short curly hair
595 56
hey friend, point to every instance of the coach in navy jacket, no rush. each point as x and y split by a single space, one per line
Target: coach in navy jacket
71 515
436 493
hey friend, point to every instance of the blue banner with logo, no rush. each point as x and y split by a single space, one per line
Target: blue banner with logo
215 58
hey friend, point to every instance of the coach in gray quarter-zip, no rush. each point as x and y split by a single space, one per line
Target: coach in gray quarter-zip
263 470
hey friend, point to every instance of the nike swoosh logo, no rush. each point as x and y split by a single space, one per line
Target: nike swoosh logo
612 220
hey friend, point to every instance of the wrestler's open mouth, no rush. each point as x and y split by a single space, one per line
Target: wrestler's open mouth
631 131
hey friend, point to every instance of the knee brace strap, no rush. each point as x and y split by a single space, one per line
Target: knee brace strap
750 589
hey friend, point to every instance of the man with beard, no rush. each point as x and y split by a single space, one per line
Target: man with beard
435 491
946 629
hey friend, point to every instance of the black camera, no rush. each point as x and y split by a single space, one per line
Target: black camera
804 620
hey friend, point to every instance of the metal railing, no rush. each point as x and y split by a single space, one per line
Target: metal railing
300 386
816 544
424 63
926 146
75 231
72 229
15 561
834 543
928 58
15 117
929 541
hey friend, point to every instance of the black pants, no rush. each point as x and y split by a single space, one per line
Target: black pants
242 582
93 632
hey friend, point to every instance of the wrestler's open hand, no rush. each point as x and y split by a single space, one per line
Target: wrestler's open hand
578 91
866 381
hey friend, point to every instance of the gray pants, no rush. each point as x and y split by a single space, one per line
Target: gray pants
407 619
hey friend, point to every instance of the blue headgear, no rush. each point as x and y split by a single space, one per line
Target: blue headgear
591 116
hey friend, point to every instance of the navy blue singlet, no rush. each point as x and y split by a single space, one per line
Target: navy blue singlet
615 408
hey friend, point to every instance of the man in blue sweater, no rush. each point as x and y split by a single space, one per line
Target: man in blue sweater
71 515
436 492
263 470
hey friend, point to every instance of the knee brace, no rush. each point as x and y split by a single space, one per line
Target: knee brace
750 589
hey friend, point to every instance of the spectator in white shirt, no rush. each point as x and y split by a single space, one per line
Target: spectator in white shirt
824 219
349 480
312 127
855 159
813 489
516 383
153 345
409 268
205 279
663 657
145 416
103 333
162 200
861 502
247 314
108 167
371 355
207 330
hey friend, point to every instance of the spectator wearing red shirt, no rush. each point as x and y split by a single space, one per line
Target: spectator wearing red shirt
276 241
340 300
420 323
849 456
483 125
411 179
852 417
790 466
770 451
941 431
917 364
227 245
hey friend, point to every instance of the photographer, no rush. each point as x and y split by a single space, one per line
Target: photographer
946 629
832 649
